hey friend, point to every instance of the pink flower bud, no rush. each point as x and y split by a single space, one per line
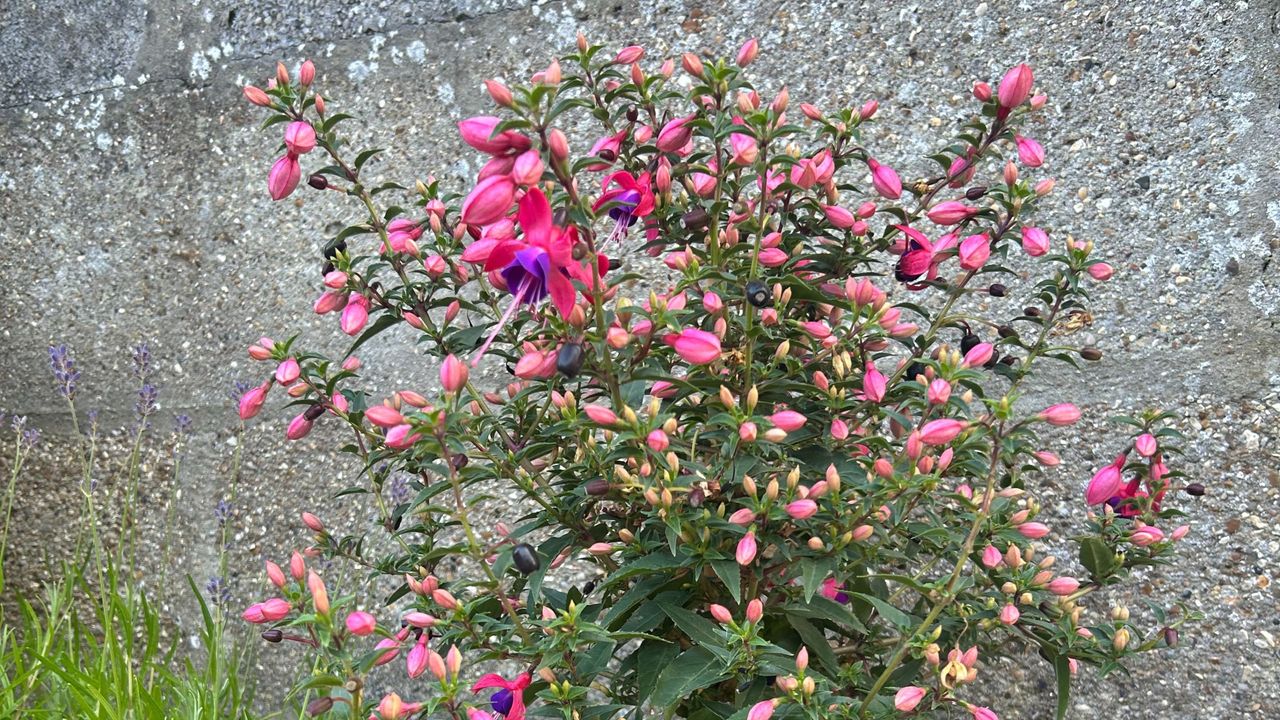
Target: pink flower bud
802 509
1015 87
874 384
951 212
939 392
755 610
355 315
1035 242
453 374
978 355
299 138
974 252
658 440
298 428
747 432
868 110
489 201
1100 272
416 661
1009 614
1063 585
748 52
436 665
1105 483
885 180
982 91
1146 535
743 516
629 55
696 347
862 532
284 176
991 557
319 595
330 302
1033 530
528 168
675 134
746 551
1061 415
762 710
1145 445
256 96
838 216
721 614
312 522
788 420
383 416
907 698
360 623
1030 152
251 402
601 415
1047 458
940 432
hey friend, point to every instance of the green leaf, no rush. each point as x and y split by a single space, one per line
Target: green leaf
1062 669
695 669
1097 558
887 611
651 658
816 641
382 323
730 573
699 629
812 572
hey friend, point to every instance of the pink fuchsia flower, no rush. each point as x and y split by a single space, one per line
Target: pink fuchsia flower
920 256
907 698
1030 152
832 590
1100 271
951 212
1015 86
299 138
838 216
283 178
696 347
1035 242
885 180
402 437
1105 483
746 551
606 147
1063 586
631 200
1033 530
675 134
489 201
974 252
1145 445
509 699
788 420
941 432
269 611
1061 415
360 623
251 402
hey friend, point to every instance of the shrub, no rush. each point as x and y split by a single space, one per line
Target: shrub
794 466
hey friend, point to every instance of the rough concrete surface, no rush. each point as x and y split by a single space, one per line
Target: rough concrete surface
133 198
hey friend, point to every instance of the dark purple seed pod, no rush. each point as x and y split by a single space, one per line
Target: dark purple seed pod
598 487
1091 353
314 412
569 359
525 558
273 635
318 181
1194 490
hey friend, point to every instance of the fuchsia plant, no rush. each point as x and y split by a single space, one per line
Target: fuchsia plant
793 466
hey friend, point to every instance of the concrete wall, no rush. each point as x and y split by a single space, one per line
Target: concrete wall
132 193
